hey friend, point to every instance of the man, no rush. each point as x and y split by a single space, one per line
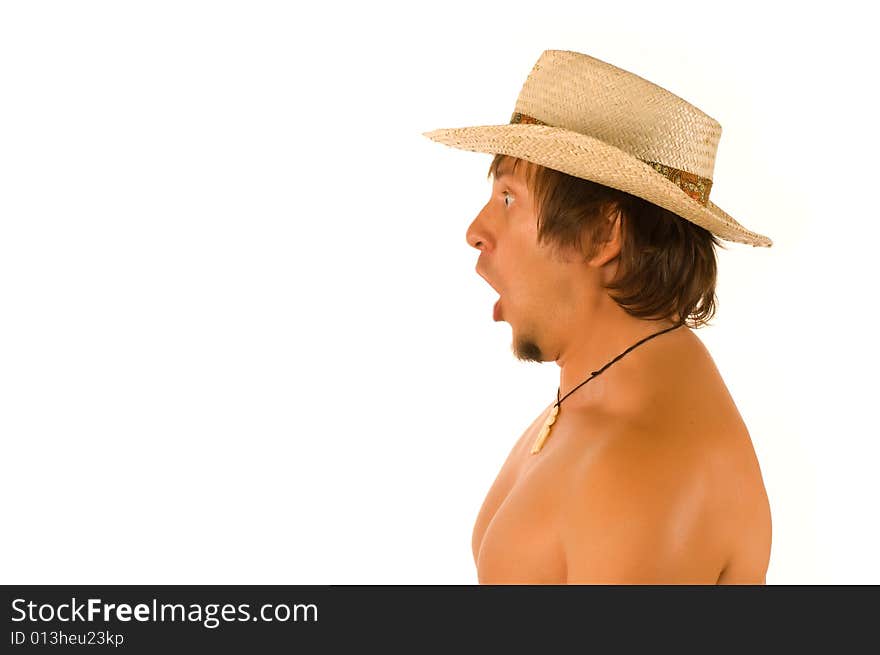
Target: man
599 238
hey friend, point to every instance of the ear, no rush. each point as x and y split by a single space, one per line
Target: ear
609 249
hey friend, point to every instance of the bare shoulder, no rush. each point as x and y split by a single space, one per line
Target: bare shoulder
741 511
674 495
738 507
638 512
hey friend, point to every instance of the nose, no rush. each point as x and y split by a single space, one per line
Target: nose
477 236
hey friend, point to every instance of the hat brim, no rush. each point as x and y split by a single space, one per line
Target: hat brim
589 158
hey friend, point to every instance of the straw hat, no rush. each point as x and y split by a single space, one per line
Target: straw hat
582 116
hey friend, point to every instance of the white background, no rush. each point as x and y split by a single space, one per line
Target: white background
241 335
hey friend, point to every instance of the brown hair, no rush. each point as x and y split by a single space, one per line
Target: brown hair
667 267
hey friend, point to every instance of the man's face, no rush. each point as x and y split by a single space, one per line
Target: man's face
539 290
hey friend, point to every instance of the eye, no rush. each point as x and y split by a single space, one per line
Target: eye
505 194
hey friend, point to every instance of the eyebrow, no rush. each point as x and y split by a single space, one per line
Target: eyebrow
503 172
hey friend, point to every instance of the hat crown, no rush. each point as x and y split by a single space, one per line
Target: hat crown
578 92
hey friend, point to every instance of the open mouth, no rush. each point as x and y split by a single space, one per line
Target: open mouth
496 310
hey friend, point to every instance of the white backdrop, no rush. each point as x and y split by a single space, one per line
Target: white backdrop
241 335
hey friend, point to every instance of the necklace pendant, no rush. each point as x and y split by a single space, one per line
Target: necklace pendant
545 430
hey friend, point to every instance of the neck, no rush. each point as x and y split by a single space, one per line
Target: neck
610 332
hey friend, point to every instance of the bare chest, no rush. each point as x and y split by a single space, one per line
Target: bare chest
516 532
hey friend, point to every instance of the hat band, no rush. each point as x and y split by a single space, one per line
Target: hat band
695 186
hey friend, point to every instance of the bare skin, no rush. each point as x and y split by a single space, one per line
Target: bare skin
649 475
